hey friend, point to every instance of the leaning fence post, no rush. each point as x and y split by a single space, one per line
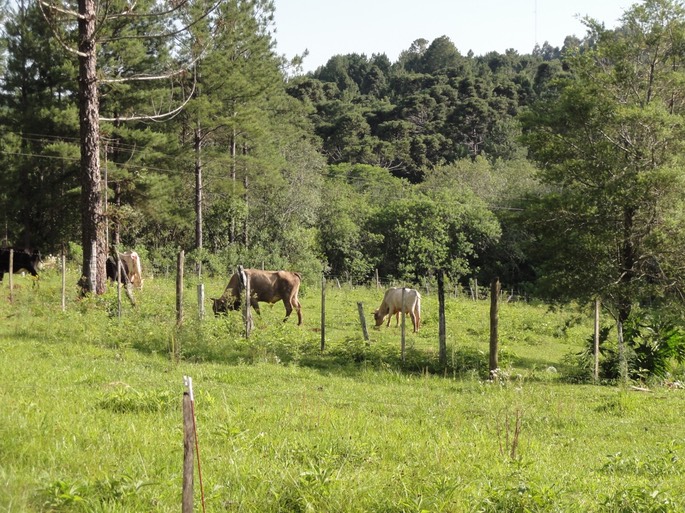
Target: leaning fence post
362 320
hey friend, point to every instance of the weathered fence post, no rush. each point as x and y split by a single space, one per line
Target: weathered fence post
201 301
118 286
378 282
179 288
247 313
404 289
11 276
595 373
323 312
362 320
441 319
494 320
622 357
188 455
64 282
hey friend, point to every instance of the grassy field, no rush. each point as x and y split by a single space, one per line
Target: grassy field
91 417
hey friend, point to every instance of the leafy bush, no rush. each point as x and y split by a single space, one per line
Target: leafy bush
656 342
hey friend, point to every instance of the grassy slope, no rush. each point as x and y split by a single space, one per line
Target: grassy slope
91 413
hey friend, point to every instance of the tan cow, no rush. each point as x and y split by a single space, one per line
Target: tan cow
134 270
392 305
265 286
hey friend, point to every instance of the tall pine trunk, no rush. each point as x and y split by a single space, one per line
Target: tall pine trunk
92 216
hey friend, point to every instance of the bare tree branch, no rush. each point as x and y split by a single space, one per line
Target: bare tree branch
53 7
164 35
64 45
130 14
142 78
165 116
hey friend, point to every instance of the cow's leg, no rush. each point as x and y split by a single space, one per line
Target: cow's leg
417 315
288 309
413 321
255 306
298 308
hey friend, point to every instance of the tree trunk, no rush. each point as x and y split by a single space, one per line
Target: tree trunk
92 215
245 223
231 237
628 260
198 188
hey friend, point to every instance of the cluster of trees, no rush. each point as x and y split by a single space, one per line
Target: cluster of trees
559 171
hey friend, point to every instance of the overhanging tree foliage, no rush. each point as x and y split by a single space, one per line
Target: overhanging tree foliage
611 143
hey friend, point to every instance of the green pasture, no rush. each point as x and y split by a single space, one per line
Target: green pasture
91 416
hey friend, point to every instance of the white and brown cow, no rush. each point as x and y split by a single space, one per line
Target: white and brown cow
265 286
392 305
134 269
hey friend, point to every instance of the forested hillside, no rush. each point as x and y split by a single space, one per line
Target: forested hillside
560 171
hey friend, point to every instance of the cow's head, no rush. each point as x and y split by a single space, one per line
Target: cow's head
378 316
223 304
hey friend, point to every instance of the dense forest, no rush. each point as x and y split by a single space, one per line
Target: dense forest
560 171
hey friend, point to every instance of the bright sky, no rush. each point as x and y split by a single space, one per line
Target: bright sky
331 27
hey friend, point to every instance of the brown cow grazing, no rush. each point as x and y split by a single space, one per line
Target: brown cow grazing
265 286
392 305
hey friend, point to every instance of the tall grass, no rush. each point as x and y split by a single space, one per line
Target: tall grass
92 420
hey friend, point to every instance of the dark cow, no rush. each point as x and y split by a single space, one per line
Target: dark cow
111 268
265 286
21 260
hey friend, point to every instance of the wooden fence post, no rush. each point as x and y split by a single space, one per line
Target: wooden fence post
188 455
622 357
118 286
179 288
11 276
248 311
362 320
64 282
595 372
201 301
245 289
442 336
494 320
404 289
323 312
